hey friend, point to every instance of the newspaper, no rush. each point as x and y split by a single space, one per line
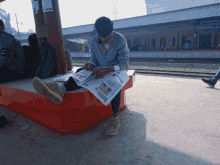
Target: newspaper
105 88
81 76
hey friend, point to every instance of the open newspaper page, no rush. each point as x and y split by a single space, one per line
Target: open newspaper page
105 88
82 75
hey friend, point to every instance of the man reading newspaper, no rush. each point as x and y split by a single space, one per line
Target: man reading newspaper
106 87
109 53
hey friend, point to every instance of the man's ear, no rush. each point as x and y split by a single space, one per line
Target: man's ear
2 28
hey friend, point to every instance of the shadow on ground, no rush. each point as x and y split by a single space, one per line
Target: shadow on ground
133 145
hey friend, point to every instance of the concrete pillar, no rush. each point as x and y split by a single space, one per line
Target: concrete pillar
212 40
194 41
55 32
197 46
48 27
148 42
180 40
41 29
177 40
218 37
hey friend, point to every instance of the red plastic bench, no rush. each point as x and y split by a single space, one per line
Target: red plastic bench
79 111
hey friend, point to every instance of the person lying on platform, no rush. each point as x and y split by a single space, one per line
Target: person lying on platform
109 53
211 82
11 57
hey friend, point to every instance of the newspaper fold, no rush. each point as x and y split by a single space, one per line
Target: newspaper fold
105 88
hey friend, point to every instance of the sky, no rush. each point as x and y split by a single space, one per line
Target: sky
82 12
73 12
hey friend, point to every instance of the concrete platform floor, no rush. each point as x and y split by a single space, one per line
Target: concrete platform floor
167 121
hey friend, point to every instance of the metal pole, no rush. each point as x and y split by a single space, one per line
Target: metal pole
55 34
17 26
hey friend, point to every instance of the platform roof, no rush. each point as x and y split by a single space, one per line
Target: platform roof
158 18
199 12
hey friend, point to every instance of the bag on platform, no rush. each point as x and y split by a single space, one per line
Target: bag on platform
45 65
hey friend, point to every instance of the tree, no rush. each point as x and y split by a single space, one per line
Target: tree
7 21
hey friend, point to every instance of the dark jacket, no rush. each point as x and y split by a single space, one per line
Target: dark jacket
30 58
16 59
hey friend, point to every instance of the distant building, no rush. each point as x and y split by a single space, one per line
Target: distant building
158 6
195 28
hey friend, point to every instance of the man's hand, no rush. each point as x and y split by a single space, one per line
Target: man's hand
5 52
100 72
88 66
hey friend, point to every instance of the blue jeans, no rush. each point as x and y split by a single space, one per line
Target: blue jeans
216 77
71 85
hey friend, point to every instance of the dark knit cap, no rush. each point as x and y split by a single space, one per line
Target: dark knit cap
32 39
103 26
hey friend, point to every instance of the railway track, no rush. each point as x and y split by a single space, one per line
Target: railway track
171 73
175 73
164 60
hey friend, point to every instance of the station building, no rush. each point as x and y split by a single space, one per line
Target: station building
196 28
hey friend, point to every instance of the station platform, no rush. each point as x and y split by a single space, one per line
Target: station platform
167 121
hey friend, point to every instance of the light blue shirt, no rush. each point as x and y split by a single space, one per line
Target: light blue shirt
117 55
106 47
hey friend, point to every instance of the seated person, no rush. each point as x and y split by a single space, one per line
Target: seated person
11 57
33 43
109 53
69 60
31 53
33 50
